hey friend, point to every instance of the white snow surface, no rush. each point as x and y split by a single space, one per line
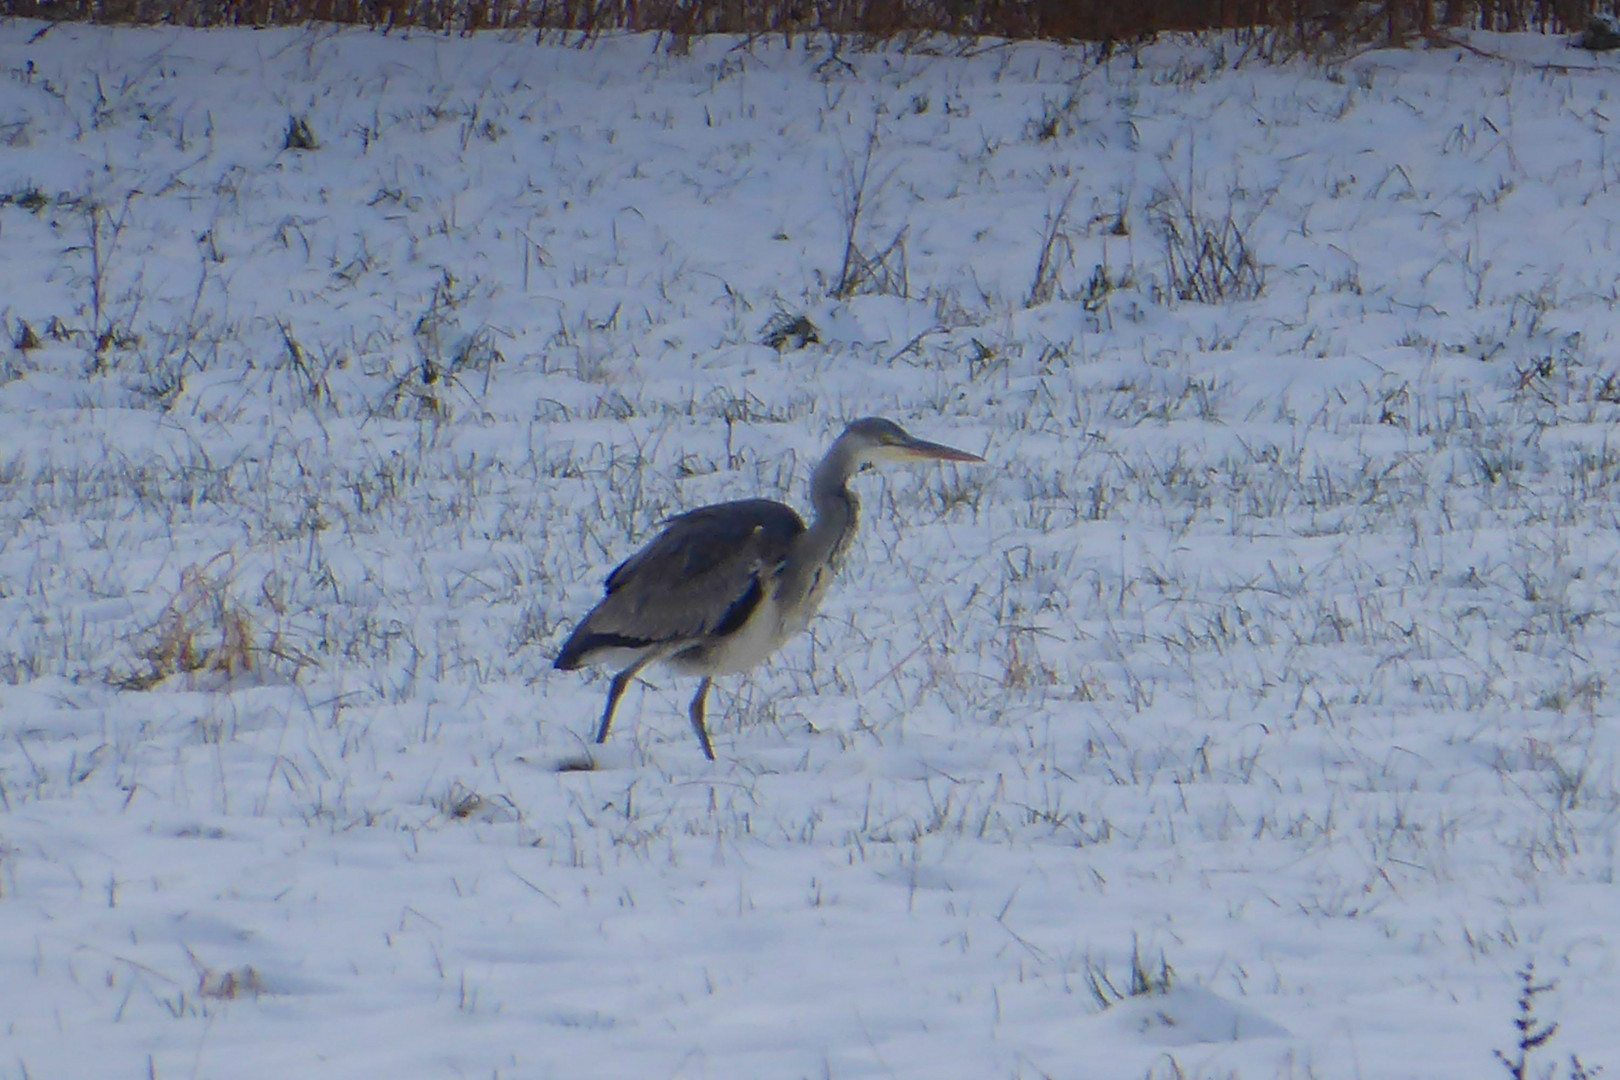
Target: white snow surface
1276 641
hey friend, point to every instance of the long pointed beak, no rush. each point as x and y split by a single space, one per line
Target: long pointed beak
924 450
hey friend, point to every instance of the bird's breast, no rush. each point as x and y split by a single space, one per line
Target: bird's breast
745 648
815 592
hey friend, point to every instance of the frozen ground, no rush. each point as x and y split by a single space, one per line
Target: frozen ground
1274 644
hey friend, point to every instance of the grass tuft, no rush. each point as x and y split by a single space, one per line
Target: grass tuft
299 135
1207 259
787 333
203 629
1147 978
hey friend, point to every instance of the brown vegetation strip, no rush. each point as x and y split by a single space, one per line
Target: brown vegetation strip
1304 21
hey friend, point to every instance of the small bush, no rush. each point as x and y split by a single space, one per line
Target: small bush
1534 1034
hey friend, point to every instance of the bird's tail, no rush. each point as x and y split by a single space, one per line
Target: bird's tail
576 651
572 657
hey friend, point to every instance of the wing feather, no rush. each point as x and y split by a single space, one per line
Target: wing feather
698 579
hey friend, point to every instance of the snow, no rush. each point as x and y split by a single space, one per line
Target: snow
1273 642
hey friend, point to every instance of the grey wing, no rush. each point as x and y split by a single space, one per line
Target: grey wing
697 580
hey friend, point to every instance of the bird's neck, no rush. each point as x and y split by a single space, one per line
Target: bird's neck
837 510
818 550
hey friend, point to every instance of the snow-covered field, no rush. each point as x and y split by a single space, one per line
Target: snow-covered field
1275 645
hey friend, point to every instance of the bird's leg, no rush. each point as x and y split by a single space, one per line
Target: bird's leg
621 681
697 717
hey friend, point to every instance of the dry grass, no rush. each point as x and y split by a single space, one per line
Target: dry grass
242 982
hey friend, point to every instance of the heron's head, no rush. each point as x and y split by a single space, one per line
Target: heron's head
876 441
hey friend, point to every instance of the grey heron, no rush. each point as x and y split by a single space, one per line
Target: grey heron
722 587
